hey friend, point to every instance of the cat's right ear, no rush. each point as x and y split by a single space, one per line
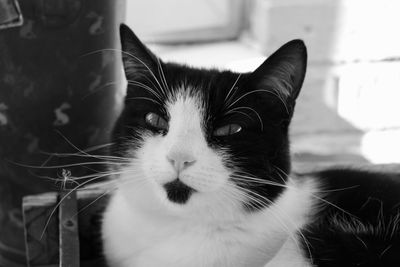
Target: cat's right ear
283 73
136 57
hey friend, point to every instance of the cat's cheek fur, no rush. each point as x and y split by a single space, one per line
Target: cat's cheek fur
153 161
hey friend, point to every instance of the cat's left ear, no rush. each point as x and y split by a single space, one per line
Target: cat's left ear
136 57
283 72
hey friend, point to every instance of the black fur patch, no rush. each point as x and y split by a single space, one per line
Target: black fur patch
362 227
178 192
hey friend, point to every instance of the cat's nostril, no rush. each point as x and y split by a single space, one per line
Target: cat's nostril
188 163
181 162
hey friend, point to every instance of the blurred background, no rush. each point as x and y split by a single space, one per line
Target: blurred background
61 81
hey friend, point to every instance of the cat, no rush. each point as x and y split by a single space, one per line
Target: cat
205 174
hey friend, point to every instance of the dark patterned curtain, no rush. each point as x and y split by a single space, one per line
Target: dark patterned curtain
57 94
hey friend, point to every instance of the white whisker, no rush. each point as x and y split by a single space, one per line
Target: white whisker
228 96
145 98
62 199
130 55
266 182
255 91
248 108
162 74
143 86
285 216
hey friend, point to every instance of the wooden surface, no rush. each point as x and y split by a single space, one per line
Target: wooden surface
42 250
68 230
84 210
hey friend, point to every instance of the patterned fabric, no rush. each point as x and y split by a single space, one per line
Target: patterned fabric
53 89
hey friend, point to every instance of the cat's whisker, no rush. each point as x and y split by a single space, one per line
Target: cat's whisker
248 194
107 192
256 183
271 179
66 165
70 143
282 171
80 187
162 74
97 89
231 194
100 51
248 108
292 187
162 92
281 97
98 174
83 152
229 96
245 196
145 65
144 98
247 175
254 180
57 180
63 198
284 215
239 112
107 173
97 147
143 86
255 91
94 201
101 157
283 178
129 55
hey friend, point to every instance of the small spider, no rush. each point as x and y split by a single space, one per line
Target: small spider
66 178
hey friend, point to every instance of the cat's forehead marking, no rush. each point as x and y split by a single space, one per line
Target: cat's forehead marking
186 111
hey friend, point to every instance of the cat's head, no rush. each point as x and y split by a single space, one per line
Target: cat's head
198 139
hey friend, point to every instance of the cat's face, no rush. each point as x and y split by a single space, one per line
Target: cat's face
200 139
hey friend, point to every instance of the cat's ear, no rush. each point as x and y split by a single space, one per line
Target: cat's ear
283 72
136 57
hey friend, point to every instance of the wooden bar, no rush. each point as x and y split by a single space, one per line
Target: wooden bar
68 229
43 244
50 247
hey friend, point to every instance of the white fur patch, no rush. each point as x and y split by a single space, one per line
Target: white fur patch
142 227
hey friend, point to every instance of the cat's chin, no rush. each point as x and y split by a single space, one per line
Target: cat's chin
178 192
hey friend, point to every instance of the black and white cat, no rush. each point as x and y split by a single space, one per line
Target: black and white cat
206 178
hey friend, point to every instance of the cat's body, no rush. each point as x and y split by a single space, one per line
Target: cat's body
204 174
147 237
358 223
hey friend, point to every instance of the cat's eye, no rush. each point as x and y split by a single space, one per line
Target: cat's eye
228 129
156 121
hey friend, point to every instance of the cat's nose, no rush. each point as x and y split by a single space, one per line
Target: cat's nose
181 160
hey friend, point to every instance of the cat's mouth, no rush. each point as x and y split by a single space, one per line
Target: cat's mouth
178 192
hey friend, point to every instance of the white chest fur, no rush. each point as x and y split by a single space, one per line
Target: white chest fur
139 237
